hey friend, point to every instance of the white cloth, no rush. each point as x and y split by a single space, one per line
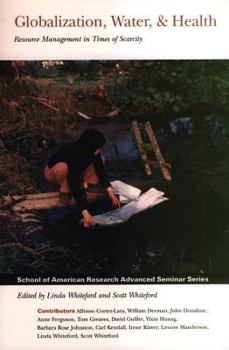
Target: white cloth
137 203
126 192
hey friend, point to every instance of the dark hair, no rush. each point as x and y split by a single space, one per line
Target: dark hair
92 139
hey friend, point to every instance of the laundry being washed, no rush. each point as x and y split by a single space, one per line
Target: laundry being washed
135 202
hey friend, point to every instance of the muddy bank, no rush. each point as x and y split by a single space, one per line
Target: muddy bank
188 234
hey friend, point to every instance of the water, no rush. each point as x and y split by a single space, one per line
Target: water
189 234
201 196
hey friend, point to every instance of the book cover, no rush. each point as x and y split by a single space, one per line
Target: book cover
119 239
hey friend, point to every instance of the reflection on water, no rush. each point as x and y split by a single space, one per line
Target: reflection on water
187 234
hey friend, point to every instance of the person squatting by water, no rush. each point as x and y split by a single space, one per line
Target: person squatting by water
76 165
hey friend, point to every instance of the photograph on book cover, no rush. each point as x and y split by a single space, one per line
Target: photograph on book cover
115 168
114 175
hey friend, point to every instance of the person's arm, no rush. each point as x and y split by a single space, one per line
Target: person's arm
114 199
88 220
100 170
79 195
102 175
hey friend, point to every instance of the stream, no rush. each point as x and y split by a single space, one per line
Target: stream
189 234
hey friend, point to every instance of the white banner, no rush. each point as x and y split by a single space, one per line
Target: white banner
70 29
160 317
114 317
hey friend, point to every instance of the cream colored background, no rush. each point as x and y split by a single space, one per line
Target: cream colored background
157 43
18 318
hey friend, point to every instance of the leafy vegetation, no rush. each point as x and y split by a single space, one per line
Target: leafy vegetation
39 109
172 87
